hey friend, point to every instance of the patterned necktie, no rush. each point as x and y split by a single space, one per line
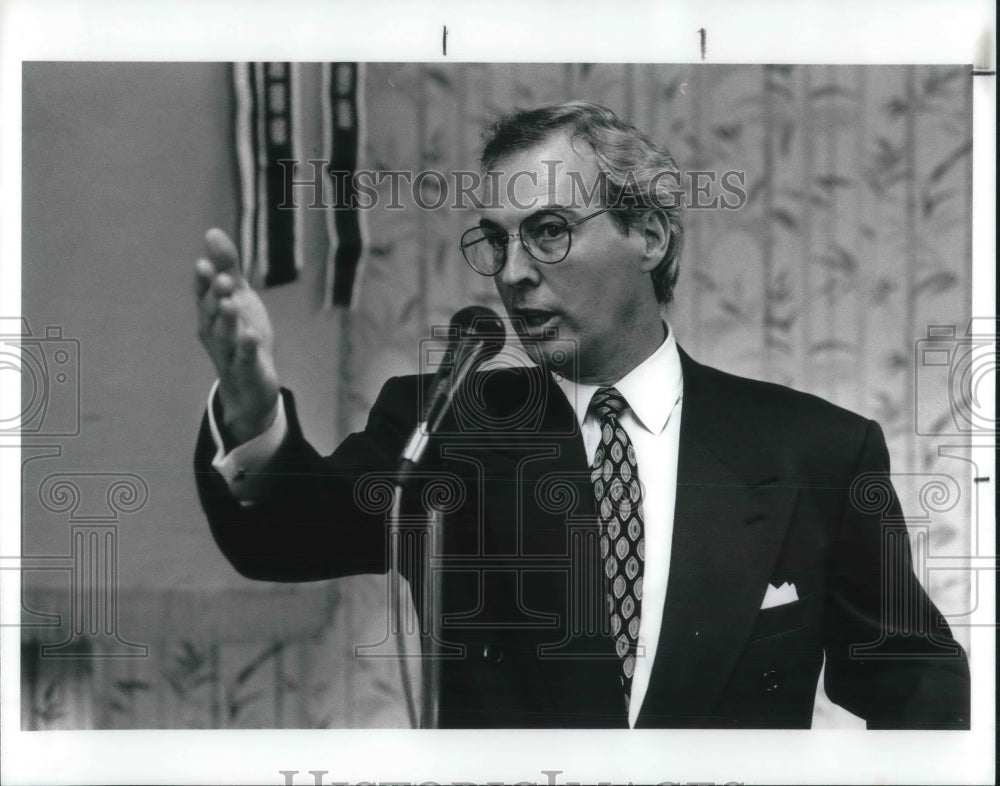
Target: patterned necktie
615 475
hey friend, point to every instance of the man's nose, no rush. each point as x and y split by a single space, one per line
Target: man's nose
520 269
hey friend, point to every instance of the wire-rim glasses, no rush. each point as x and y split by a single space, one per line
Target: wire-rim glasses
545 235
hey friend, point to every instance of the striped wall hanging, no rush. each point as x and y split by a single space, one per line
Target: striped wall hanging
269 140
343 118
267 133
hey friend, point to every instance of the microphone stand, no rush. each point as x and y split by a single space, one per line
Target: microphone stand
395 620
431 581
484 342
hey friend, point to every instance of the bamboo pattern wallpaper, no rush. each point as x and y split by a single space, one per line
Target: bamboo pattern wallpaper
854 240
855 236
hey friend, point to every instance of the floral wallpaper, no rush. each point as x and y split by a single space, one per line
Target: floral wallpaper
854 240
853 246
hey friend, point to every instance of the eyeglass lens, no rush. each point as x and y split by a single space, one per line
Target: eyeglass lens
544 235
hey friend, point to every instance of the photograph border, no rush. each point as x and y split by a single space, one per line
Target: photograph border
829 32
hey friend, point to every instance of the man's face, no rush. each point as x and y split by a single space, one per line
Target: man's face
600 295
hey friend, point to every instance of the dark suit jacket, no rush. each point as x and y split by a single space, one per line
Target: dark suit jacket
764 496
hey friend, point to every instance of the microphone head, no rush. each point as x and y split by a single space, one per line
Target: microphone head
475 324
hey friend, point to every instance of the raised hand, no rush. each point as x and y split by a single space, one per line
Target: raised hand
235 329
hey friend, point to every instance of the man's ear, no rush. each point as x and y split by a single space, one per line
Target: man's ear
656 235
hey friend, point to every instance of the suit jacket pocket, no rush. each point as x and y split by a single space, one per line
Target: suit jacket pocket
784 618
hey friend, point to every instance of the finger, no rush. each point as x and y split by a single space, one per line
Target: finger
222 253
208 305
245 347
223 285
204 272
225 325
228 311
208 308
217 298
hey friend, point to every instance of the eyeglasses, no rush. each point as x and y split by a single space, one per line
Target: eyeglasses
546 236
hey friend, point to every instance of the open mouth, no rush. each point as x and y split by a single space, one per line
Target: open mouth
535 319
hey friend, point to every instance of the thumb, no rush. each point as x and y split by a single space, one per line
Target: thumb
222 252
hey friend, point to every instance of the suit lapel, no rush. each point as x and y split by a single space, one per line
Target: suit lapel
731 514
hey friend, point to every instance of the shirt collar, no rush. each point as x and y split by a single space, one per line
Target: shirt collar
651 388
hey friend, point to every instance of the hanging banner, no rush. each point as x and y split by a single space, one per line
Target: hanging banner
266 129
342 134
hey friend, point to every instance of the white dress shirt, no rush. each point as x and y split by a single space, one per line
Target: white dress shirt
242 467
654 393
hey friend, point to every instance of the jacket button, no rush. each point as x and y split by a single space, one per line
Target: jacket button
492 654
770 678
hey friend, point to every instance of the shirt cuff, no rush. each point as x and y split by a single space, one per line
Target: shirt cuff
242 467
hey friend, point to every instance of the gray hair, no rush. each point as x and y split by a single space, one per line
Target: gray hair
631 165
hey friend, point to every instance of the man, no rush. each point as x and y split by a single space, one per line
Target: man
632 539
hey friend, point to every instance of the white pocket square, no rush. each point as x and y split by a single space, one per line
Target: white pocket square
779 596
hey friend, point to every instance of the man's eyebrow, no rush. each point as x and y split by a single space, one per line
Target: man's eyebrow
555 207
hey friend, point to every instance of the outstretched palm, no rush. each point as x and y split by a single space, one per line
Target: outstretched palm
235 329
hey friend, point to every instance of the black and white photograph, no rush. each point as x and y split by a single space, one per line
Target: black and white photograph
613 415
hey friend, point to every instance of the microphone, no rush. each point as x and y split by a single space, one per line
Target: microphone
477 335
